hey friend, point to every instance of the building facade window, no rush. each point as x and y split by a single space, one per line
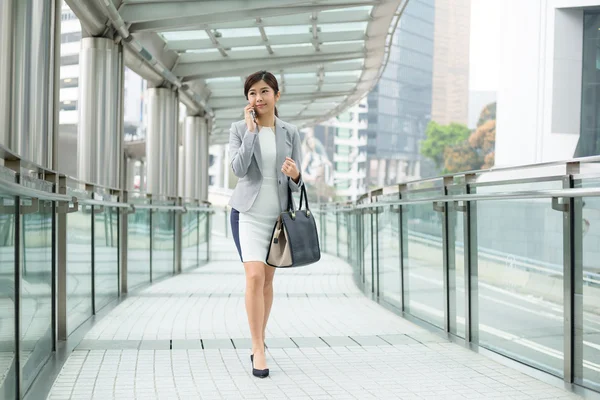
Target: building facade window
589 139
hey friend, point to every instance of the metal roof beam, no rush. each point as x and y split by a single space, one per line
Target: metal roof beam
214 69
201 21
273 40
228 101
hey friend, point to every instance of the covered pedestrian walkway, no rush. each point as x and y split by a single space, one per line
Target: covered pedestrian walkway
475 285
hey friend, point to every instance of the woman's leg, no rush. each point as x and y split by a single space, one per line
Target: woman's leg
255 308
268 294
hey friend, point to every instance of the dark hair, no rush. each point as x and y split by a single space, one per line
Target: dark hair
266 76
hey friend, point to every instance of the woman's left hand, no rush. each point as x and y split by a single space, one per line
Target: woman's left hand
290 169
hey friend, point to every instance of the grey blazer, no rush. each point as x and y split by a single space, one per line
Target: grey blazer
246 162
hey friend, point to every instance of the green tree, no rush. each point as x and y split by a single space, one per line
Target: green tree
460 158
439 138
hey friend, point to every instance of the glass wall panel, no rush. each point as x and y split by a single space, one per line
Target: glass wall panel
7 296
189 240
204 221
424 262
106 255
589 139
368 252
520 265
36 289
79 267
331 230
163 244
342 228
457 267
389 254
587 329
138 242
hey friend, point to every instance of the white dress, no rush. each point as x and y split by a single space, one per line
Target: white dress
256 224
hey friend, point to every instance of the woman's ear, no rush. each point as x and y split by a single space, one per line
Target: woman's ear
277 96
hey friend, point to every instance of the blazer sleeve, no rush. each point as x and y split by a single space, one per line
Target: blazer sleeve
241 151
297 157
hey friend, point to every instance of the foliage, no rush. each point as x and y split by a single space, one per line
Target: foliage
474 150
439 138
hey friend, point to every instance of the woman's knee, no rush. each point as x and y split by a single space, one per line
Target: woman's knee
255 276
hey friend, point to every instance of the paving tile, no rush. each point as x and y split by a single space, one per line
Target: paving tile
280 343
217 343
90 344
182 344
309 342
335 341
369 341
155 345
242 343
398 339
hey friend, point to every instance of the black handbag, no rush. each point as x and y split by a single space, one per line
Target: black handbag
295 241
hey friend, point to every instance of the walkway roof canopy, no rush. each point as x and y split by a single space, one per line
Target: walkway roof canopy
326 54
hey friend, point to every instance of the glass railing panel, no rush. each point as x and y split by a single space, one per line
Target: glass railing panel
138 242
220 221
424 260
7 296
189 239
36 286
390 278
163 244
342 227
79 266
520 284
587 309
456 266
106 255
368 249
331 230
204 221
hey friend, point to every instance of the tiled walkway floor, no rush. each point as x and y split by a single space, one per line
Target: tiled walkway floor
187 338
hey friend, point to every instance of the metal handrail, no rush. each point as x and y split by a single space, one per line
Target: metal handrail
536 194
198 208
94 202
158 207
16 189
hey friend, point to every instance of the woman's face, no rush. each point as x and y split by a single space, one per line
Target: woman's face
263 98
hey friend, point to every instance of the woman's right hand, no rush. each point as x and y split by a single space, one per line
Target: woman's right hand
249 121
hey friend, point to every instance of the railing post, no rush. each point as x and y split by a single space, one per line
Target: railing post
572 279
123 242
90 189
471 273
178 237
448 243
16 167
402 250
337 232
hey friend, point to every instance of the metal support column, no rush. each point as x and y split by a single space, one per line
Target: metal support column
99 141
203 156
161 143
26 78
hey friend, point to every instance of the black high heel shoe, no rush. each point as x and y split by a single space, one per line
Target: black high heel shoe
259 373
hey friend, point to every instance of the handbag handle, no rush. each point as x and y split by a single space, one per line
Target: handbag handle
303 198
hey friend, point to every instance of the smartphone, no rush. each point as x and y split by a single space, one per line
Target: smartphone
253 114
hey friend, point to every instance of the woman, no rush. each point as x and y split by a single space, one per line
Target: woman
265 156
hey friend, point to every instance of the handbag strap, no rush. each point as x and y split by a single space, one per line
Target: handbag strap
291 205
303 196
